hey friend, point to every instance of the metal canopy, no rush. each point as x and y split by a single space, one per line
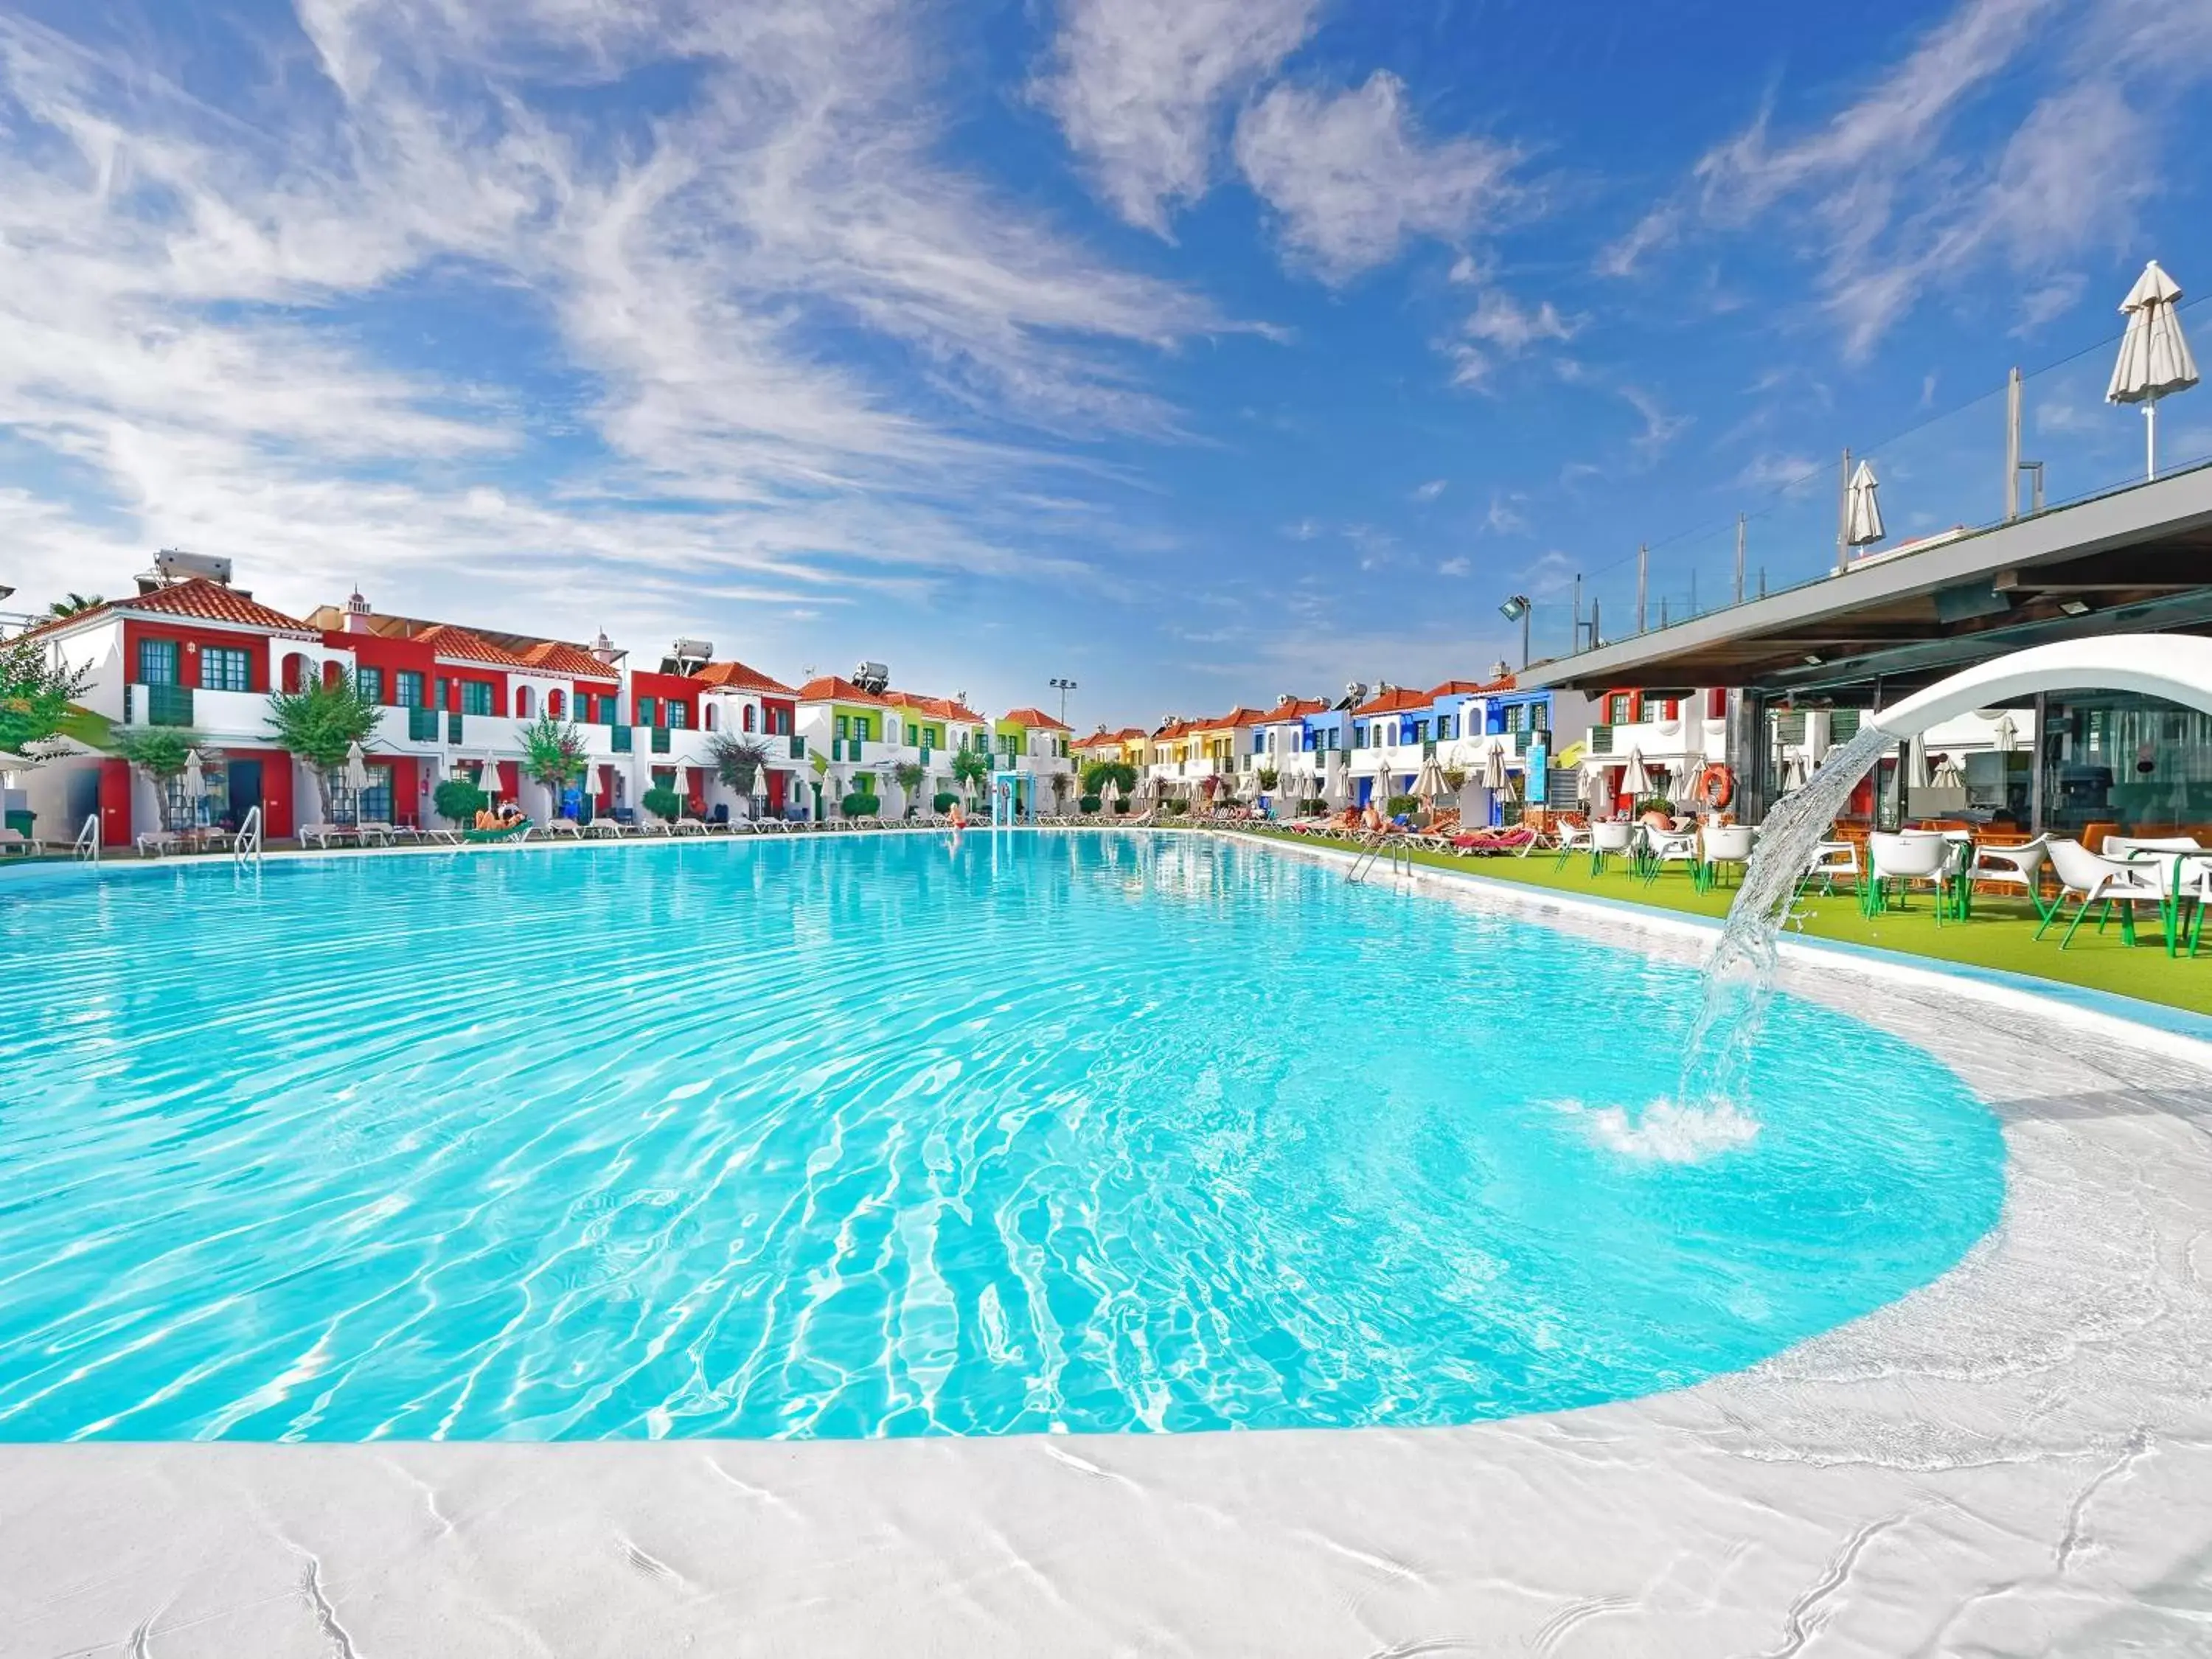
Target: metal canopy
2139 559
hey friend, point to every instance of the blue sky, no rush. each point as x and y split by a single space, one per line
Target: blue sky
1197 350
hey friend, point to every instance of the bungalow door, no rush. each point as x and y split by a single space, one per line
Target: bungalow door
241 780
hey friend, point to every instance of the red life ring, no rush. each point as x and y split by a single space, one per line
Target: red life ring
1715 787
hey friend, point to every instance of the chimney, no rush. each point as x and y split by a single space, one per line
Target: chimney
357 613
603 650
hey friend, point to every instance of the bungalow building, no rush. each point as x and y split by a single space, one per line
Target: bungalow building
742 701
1030 742
191 652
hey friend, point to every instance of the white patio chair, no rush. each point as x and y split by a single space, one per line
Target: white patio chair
1569 839
1664 847
2101 882
2019 867
155 842
1905 860
1614 838
1727 843
15 840
567 827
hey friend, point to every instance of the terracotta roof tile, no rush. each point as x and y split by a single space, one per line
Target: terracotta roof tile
572 662
195 599
939 708
737 677
827 688
1036 719
451 639
1453 688
1394 703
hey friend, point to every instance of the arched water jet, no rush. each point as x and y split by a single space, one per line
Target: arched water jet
2174 667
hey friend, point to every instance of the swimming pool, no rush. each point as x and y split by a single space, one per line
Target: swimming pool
877 1135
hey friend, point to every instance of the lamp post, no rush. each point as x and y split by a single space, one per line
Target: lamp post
1517 609
1063 687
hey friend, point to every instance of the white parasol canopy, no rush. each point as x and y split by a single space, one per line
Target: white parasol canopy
1493 768
1948 775
1793 770
1636 781
1861 512
1917 761
195 776
1429 783
2008 735
1109 794
1585 785
356 767
2154 360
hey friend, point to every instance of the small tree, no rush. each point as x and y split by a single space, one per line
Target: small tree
970 769
320 724
663 803
1268 779
553 754
1095 773
34 696
910 778
737 760
160 751
458 800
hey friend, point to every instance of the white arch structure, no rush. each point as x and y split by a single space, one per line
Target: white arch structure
2175 666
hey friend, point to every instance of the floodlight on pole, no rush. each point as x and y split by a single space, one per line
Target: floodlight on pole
1062 686
1518 609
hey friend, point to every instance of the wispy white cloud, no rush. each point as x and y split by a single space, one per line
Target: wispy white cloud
2013 135
1352 180
1429 491
1505 516
1501 326
1661 426
1455 567
1138 87
172 274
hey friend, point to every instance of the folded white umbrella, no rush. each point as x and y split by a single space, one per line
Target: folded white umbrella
1917 759
195 776
1948 775
1109 794
1793 770
2154 360
2008 735
1429 783
1585 785
1493 768
1638 781
1861 511
356 767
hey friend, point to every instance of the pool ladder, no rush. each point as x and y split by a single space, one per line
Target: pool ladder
248 846
86 844
1400 857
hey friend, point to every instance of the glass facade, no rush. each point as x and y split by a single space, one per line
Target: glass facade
2131 764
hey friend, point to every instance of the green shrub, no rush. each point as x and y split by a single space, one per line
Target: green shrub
858 806
663 803
458 801
1398 803
1268 778
1313 806
1095 773
1087 803
1653 804
945 801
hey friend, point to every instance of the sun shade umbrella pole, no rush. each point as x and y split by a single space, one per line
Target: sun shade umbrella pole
2154 360
1863 523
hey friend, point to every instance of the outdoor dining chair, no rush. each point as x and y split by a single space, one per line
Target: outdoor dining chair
2019 867
1615 838
1905 859
1725 844
2100 883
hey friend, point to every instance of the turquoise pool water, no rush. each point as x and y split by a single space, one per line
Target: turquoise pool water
875 1135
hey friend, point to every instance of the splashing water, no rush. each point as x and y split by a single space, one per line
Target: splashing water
1739 972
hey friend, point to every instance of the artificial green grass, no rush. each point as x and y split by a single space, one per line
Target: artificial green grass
2000 935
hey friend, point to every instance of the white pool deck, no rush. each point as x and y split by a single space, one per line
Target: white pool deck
2017 1460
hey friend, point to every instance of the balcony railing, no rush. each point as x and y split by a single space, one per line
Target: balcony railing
619 740
452 728
659 739
421 726
158 705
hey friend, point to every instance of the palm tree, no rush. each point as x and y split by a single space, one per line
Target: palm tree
553 754
73 605
320 723
970 768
